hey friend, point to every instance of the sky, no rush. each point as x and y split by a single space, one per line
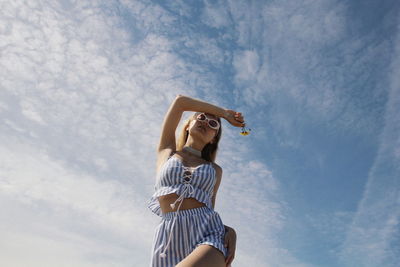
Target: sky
85 85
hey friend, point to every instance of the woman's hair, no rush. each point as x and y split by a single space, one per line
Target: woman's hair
209 151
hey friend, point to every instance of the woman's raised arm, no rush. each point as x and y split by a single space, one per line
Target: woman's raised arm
184 103
191 104
196 105
171 121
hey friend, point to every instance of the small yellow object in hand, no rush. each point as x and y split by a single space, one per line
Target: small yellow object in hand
244 131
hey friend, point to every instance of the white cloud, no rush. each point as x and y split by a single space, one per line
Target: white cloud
207 50
216 14
250 190
70 212
247 64
290 67
28 110
372 236
78 98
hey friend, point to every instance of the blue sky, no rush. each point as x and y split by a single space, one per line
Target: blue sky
84 88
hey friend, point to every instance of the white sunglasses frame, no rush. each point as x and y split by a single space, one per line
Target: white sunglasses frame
208 121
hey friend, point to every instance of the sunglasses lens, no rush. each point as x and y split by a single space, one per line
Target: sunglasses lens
201 117
213 123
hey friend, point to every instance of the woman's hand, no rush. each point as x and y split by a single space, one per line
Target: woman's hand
230 244
234 118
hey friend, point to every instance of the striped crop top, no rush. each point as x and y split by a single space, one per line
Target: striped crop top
173 177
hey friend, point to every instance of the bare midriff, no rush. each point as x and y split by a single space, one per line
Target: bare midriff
187 203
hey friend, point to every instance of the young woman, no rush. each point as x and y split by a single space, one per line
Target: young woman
190 232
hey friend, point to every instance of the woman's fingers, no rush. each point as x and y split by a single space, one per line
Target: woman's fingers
231 254
239 117
229 259
235 118
230 244
226 244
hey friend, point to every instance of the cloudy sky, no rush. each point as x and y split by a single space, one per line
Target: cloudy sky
85 85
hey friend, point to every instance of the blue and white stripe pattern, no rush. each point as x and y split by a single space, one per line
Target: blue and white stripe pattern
171 179
186 229
193 227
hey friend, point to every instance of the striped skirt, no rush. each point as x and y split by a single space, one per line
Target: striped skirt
180 232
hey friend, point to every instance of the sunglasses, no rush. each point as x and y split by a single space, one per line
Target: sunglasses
212 123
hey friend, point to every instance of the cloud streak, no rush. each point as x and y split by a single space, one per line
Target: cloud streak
372 238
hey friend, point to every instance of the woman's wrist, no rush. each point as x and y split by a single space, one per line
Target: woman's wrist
226 114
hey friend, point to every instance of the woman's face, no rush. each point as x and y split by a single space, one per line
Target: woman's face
202 129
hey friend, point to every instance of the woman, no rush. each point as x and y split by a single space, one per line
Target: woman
190 232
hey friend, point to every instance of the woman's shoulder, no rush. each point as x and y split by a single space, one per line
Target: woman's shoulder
217 174
217 168
166 153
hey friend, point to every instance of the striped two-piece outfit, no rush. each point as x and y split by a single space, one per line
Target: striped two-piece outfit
181 231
